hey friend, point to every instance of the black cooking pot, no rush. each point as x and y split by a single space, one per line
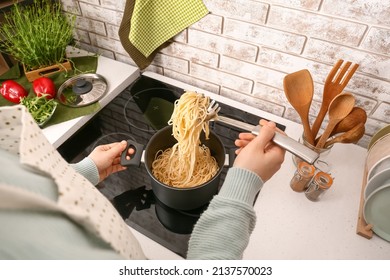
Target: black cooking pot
175 220
178 198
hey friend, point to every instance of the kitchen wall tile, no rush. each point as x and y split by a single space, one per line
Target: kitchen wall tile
246 10
191 54
290 63
315 107
171 62
181 37
124 58
156 69
252 71
371 11
113 4
304 4
244 48
368 104
70 6
253 101
106 43
95 2
363 142
213 75
90 25
291 114
210 23
369 62
81 36
99 13
263 35
97 50
207 86
378 40
270 93
222 45
319 71
370 87
373 126
112 31
382 112
317 25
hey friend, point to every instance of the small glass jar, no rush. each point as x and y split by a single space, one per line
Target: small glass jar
320 183
322 163
302 176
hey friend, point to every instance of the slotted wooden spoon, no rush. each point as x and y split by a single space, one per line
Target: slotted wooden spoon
334 85
299 89
351 136
339 108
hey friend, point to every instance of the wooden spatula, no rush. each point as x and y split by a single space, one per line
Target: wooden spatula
299 88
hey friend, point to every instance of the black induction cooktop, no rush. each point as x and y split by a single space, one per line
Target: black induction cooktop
137 113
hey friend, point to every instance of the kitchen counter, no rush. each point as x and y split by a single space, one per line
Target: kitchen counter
118 76
289 226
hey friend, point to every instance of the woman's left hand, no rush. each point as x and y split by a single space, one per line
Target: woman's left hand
107 158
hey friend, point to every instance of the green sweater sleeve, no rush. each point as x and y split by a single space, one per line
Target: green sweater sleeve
223 230
88 169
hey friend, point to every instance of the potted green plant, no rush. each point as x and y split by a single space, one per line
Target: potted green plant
37 36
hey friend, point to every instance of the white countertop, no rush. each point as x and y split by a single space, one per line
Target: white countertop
289 226
118 76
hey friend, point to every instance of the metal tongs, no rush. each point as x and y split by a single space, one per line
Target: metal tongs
280 139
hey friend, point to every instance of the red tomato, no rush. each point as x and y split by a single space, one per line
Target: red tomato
44 86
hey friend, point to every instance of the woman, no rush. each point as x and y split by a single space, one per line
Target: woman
51 210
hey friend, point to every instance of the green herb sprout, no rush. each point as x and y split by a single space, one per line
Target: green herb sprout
37 34
40 108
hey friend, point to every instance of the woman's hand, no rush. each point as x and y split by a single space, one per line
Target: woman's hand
243 139
107 158
259 154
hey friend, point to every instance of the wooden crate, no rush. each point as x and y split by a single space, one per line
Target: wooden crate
47 71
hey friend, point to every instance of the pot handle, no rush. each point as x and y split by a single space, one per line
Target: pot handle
136 157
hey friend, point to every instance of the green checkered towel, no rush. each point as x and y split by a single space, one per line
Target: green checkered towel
155 21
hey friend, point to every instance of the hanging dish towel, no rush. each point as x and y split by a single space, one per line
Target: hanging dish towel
154 21
124 30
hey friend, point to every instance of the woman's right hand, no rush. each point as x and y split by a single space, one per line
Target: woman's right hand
260 154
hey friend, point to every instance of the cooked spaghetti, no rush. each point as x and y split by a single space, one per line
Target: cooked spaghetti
188 163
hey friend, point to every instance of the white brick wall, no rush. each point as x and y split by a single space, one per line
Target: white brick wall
244 48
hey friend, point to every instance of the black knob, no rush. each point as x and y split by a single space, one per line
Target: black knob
82 87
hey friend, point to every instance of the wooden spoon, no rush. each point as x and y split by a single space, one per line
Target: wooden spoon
356 116
339 108
351 136
299 89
